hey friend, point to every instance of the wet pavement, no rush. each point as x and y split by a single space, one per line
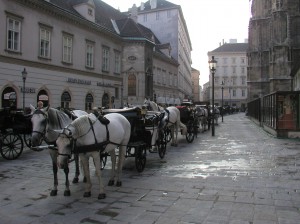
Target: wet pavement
242 175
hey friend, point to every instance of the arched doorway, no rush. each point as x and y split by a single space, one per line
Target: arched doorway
65 100
9 98
43 96
105 100
89 100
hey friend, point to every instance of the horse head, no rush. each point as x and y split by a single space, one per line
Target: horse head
39 123
65 146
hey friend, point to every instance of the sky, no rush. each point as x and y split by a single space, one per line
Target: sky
209 23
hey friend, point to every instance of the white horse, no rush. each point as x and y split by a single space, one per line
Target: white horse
171 119
85 135
44 122
216 114
202 114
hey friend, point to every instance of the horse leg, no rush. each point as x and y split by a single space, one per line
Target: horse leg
97 163
172 135
86 170
77 172
122 150
53 155
111 181
176 134
67 183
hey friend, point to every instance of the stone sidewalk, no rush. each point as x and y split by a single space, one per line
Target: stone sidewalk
242 175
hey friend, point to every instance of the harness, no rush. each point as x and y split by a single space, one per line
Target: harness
97 146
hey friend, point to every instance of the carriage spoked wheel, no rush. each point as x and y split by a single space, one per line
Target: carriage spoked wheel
162 144
190 135
27 140
11 146
103 159
168 134
140 158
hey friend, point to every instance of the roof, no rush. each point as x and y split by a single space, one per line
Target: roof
161 4
232 47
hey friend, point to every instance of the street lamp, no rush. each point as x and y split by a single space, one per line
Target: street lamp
212 66
222 99
24 76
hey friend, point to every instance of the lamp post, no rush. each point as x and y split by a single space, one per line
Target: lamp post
222 99
212 66
24 76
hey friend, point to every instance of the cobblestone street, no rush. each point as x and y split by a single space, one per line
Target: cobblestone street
242 175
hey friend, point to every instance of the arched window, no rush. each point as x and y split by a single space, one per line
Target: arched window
89 100
43 96
105 100
65 100
9 97
131 85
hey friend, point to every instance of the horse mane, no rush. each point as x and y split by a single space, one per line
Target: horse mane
82 124
57 118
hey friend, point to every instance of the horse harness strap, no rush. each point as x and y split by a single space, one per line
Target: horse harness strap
94 147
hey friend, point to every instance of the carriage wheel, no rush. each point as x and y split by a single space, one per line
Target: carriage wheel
140 158
168 134
27 140
190 133
11 146
103 160
162 144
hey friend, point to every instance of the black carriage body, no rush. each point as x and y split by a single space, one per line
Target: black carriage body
15 121
138 123
13 125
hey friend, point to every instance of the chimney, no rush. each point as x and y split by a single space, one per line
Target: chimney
134 13
142 6
153 4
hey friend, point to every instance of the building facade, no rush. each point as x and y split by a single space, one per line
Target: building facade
274 47
196 85
230 79
166 20
78 54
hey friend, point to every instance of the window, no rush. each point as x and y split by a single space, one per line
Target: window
89 100
243 92
234 92
89 55
13 34
117 62
67 48
233 69
243 80
65 100
45 42
233 60
243 70
90 12
105 59
117 93
131 85
145 17
157 15
169 14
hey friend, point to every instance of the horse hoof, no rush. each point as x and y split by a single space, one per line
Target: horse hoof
87 194
119 183
75 180
102 196
67 193
84 180
53 193
111 183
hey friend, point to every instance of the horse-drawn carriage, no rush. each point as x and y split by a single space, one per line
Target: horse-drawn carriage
188 118
145 134
15 130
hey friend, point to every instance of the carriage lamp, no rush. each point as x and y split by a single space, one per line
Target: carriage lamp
24 76
222 84
212 66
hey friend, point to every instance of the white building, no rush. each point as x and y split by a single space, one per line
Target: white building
231 74
77 54
167 22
